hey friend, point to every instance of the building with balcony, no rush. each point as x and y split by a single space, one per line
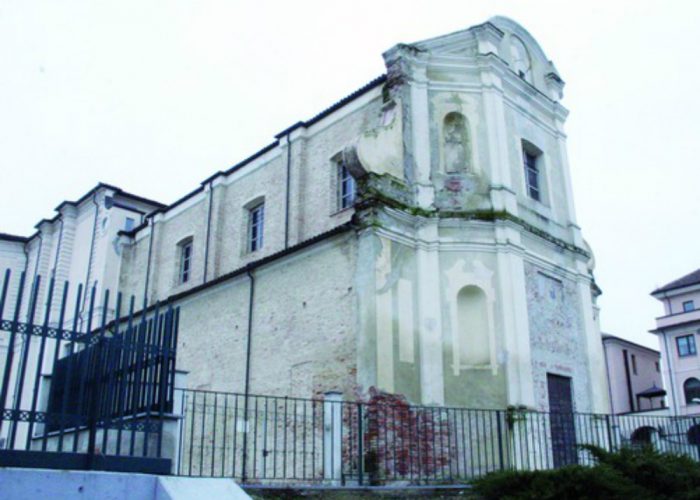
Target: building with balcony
678 331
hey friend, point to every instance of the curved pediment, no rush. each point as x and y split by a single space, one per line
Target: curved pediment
500 36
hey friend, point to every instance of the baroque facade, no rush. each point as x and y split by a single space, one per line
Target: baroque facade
419 236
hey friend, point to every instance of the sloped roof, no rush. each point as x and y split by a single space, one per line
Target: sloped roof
687 280
652 392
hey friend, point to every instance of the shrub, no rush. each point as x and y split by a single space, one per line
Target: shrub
639 474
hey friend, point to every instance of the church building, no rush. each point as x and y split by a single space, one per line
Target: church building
418 237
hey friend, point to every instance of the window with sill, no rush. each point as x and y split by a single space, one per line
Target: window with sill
256 227
185 267
346 186
688 306
686 345
532 163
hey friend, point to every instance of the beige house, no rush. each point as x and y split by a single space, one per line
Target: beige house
419 236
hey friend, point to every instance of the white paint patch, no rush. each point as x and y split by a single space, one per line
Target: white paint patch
406 322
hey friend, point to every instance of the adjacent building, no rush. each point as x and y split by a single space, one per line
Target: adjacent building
677 331
419 237
634 376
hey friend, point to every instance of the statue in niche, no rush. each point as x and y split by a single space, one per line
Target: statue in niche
456 144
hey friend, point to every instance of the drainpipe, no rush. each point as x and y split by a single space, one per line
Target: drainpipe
90 257
246 393
206 241
286 206
627 379
152 223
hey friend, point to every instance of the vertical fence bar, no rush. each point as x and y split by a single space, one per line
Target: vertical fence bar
223 439
163 350
213 439
151 339
24 359
11 345
235 434
201 437
57 348
84 366
97 382
113 351
137 388
127 338
39 363
69 371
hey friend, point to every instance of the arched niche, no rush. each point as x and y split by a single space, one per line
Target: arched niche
456 143
473 327
471 298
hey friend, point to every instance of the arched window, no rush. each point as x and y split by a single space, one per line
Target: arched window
472 315
691 389
642 436
693 435
456 143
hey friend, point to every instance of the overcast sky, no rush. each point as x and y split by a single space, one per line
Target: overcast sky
154 96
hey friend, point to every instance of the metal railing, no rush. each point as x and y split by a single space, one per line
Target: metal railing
268 439
90 397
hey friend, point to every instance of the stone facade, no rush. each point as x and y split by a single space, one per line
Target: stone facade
458 276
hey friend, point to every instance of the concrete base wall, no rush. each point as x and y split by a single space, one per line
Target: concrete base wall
33 484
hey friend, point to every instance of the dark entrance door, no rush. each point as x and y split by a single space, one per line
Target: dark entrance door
562 428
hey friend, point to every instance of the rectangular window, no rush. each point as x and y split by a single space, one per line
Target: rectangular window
532 174
634 364
686 345
688 306
128 224
185 261
658 368
346 187
256 223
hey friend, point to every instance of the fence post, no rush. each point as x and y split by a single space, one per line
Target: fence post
332 435
611 442
499 429
360 442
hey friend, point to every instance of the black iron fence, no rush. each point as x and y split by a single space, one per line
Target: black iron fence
84 386
292 440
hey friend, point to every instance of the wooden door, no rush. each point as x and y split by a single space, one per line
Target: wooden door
562 427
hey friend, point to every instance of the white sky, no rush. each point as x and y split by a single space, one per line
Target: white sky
154 96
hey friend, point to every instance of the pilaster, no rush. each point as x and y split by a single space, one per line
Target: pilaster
430 314
514 311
